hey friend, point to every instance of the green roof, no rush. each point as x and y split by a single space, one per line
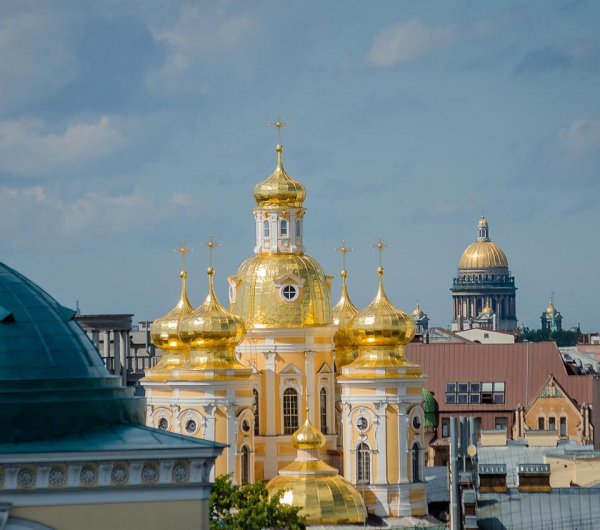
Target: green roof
429 407
52 379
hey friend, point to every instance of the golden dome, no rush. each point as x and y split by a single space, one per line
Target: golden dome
381 323
551 309
323 496
417 311
308 437
279 190
487 310
483 254
212 333
164 331
260 280
342 313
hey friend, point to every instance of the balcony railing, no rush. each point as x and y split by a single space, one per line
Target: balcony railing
502 281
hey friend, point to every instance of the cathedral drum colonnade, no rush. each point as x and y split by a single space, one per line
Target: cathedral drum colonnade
262 378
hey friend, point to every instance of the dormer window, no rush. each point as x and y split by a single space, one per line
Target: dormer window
298 228
289 292
284 228
266 229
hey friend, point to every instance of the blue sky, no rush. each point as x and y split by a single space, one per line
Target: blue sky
127 126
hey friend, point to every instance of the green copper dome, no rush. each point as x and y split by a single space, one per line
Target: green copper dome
52 379
428 408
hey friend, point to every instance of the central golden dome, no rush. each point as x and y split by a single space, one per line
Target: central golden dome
258 292
279 190
483 254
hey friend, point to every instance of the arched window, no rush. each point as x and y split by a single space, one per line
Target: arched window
290 411
416 468
298 228
363 464
255 408
551 423
245 462
323 410
540 423
266 229
284 227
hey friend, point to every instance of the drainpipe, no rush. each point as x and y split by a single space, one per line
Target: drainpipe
454 495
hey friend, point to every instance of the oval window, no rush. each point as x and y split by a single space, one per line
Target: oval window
416 423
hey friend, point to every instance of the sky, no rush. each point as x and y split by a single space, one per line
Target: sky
129 126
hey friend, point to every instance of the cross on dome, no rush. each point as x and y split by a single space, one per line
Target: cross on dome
380 246
279 124
344 250
211 244
183 250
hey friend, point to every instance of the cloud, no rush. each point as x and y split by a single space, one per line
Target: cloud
195 36
583 55
402 43
580 139
30 146
182 199
35 56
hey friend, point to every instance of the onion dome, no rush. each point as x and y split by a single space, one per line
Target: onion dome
551 310
53 381
323 496
260 280
279 190
342 313
483 254
381 331
212 332
308 437
165 332
417 311
487 310
429 407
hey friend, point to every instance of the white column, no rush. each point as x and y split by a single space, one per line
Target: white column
347 441
232 442
117 353
381 441
270 396
96 338
107 346
124 354
309 370
402 443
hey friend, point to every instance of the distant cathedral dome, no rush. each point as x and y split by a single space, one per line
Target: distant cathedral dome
381 323
279 190
483 254
551 309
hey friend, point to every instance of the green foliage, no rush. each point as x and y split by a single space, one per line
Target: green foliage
249 507
562 338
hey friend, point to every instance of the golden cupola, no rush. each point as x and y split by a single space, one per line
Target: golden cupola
381 331
483 254
417 311
279 190
343 312
164 333
323 496
212 333
551 310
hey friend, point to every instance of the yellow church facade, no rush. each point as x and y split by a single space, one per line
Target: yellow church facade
256 375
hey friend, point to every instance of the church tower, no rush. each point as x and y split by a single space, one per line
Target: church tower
283 297
483 276
383 420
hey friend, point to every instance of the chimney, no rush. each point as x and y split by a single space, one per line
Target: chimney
492 478
534 478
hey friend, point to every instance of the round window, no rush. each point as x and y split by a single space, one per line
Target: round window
416 423
362 424
191 426
289 292
245 426
163 424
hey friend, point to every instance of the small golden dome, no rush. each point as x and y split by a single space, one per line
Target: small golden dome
211 326
279 190
342 313
551 309
483 254
482 222
381 323
164 331
258 299
417 311
487 310
308 437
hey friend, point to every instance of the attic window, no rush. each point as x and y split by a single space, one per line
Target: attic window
289 292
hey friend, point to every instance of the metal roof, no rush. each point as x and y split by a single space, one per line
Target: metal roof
561 509
437 484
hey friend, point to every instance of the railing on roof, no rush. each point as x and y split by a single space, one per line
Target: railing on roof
483 279
492 469
533 469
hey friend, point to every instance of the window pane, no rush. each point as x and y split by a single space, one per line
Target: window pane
498 387
450 387
450 398
463 398
475 398
501 423
563 426
498 398
486 387
463 387
475 387
290 411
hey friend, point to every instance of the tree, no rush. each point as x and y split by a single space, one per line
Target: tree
249 507
562 337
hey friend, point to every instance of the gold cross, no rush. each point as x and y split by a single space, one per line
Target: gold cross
183 251
380 245
344 250
211 246
279 125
